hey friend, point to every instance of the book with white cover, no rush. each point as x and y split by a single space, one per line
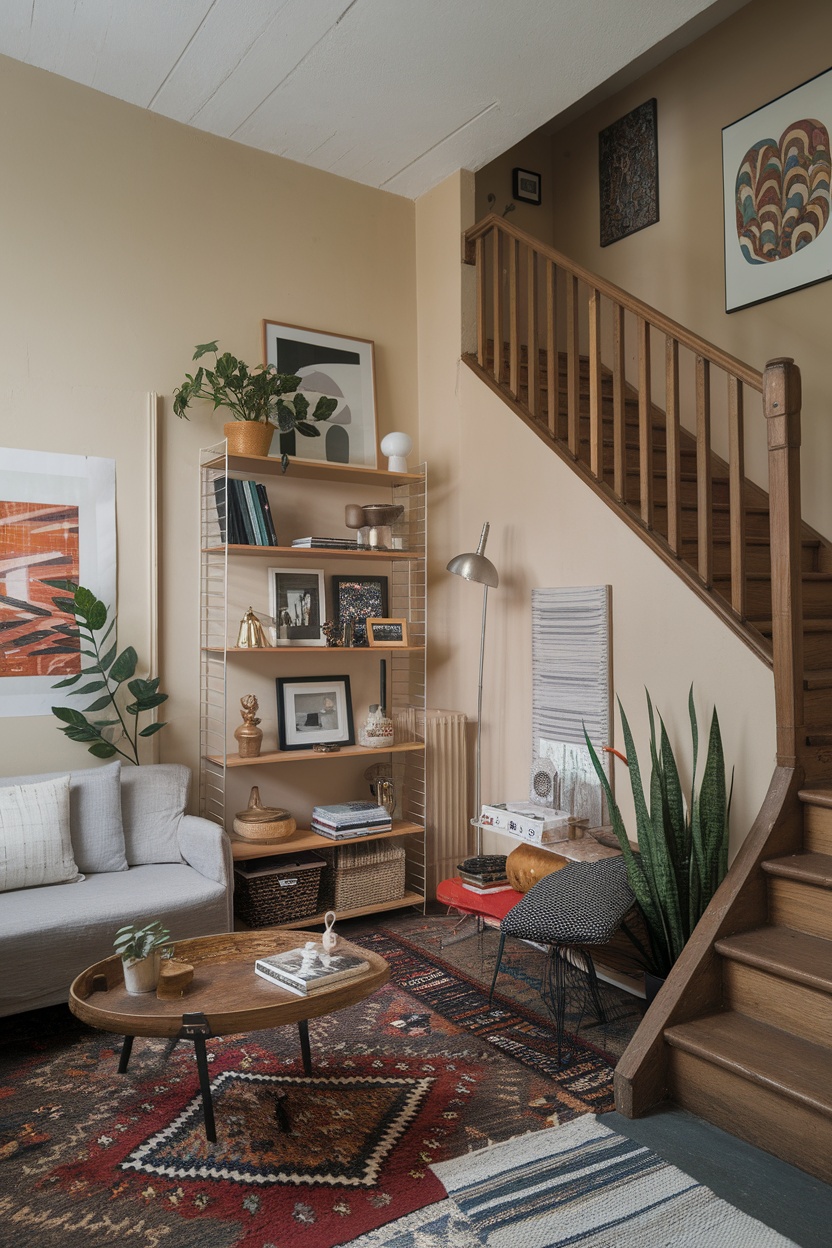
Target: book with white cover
309 968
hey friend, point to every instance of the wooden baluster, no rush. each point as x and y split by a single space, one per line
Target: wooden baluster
736 476
673 454
645 424
533 370
596 446
479 250
704 488
572 365
619 415
513 320
781 404
552 361
497 288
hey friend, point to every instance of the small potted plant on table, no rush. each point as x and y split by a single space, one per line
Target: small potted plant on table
142 950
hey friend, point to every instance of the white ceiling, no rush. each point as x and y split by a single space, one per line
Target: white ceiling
393 93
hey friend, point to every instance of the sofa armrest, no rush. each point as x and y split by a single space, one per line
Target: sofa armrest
206 848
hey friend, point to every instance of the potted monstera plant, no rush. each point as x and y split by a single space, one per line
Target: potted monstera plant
259 400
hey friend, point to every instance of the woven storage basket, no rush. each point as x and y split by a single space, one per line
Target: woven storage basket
363 875
277 890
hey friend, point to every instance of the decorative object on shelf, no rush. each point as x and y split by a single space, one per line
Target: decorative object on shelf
380 779
248 736
333 633
474 566
329 940
397 447
525 186
374 523
141 950
775 175
527 864
386 634
256 397
377 730
628 171
326 747
297 603
543 784
263 823
109 672
314 711
342 371
357 598
174 978
684 852
251 635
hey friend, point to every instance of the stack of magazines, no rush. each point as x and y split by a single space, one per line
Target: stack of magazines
309 969
344 820
326 543
484 875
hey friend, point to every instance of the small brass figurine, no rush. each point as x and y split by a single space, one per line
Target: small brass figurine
251 635
249 737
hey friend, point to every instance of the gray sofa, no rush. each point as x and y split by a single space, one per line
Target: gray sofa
141 858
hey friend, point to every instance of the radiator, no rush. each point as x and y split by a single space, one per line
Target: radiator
446 806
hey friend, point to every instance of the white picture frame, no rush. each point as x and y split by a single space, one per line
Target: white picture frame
314 711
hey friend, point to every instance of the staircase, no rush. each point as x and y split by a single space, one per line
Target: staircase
741 1034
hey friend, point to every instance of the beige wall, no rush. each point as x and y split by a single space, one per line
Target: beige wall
677 264
535 153
548 529
127 239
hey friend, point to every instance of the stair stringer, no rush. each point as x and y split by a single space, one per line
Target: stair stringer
694 985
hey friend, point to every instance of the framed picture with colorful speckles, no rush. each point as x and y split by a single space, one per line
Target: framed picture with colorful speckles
776 193
355 599
628 170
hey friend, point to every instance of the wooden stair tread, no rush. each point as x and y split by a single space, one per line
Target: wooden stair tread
815 869
816 797
774 1059
819 736
784 952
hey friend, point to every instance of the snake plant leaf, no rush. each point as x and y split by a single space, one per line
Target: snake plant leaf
713 802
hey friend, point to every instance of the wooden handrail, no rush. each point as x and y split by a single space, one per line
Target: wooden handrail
700 346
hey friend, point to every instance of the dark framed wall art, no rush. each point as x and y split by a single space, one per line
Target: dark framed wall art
355 599
776 191
628 171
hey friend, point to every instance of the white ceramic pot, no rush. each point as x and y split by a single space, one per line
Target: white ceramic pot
142 976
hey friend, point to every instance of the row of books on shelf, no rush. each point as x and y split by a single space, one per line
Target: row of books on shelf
243 512
344 820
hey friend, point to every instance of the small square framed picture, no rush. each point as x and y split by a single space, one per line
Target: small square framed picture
525 186
297 605
386 633
313 710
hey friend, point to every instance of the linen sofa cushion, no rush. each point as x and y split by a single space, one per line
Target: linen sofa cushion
95 825
153 800
35 847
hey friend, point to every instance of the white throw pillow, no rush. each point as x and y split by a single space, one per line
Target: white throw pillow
35 846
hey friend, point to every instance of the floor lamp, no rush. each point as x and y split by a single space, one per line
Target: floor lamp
474 566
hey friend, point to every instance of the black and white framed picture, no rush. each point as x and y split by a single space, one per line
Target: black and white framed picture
333 366
297 606
357 598
314 710
525 186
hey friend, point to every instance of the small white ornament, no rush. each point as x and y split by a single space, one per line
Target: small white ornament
397 447
329 940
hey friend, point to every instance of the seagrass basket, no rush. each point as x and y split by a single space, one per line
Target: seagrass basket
277 890
363 875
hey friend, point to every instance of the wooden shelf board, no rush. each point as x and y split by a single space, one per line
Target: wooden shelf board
349 474
314 920
336 650
303 838
307 553
302 756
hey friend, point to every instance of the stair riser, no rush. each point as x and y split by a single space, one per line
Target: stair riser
817 709
757 558
817 599
791 1131
817 650
756 524
817 829
778 1002
803 907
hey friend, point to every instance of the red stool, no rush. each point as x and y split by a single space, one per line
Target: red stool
495 905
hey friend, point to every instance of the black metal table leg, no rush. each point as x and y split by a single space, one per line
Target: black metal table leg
306 1053
126 1050
196 1027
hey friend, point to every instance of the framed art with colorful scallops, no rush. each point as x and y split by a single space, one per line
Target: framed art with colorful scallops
776 184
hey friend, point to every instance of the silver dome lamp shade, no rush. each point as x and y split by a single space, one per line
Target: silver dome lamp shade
475 566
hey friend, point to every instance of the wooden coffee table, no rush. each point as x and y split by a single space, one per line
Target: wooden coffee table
225 997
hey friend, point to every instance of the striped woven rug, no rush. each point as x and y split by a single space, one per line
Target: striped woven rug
579 1185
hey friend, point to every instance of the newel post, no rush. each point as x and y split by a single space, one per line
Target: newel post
781 405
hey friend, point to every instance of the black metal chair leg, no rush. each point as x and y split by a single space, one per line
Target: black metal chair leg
306 1053
126 1050
559 968
500 949
594 992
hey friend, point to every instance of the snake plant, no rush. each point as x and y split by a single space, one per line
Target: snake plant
683 845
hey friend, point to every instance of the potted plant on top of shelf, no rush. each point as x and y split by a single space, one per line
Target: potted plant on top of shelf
257 399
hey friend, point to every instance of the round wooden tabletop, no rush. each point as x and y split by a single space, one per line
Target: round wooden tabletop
225 988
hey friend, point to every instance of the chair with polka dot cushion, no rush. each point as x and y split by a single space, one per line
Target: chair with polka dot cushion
580 907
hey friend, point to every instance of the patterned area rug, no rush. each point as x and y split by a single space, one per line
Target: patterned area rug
580 1185
421 1073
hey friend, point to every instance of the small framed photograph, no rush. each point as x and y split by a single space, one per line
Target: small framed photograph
313 710
355 599
337 367
386 633
525 186
297 605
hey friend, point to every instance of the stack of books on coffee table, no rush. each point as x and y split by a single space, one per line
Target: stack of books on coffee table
484 875
345 820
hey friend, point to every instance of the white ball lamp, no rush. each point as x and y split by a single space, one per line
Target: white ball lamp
397 447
